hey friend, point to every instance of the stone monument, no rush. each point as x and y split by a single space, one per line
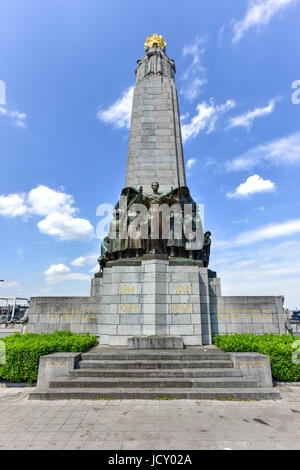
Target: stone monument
154 277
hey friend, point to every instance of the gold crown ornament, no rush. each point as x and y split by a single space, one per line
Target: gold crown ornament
155 39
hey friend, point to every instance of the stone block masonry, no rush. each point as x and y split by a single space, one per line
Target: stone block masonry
257 315
156 297
48 314
155 148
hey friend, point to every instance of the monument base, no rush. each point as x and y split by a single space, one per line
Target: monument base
155 342
156 296
152 296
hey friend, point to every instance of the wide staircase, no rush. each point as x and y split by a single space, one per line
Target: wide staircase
118 373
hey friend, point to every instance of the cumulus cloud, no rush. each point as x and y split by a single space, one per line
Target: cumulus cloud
205 119
60 272
55 206
13 205
253 184
65 227
57 269
246 119
80 261
18 118
119 113
43 201
259 12
282 151
194 76
85 260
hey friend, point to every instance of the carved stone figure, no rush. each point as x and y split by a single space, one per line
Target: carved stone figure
102 262
175 246
155 60
154 65
206 249
105 248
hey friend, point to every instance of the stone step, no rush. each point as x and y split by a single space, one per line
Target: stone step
156 393
158 355
150 382
93 372
152 364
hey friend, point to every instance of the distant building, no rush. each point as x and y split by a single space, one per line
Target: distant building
295 315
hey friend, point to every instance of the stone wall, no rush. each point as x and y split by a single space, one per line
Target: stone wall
256 315
78 314
156 297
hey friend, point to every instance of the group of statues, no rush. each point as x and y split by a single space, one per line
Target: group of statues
137 213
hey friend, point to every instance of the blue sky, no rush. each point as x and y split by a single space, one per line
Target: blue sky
68 67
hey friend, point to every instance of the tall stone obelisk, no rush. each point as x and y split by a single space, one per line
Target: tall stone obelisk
155 286
155 146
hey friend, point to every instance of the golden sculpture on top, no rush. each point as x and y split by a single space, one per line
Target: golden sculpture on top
155 39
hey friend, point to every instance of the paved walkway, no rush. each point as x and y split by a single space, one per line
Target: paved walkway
148 424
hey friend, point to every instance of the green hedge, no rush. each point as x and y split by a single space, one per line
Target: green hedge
23 352
280 349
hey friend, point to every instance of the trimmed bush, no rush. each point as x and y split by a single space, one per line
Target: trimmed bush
23 352
279 348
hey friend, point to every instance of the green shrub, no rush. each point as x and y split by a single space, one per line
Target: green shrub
279 348
23 352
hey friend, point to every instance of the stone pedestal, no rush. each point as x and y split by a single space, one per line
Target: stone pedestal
153 297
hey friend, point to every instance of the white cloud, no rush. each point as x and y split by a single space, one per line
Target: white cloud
43 201
194 74
57 269
8 284
271 269
191 162
269 232
183 117
95 269
60 272
85 260
253 184
192 90
119 113
220 35
19 119
78 261
65 227
196 50
211 162
246 119
56 206
283 151
205 119
13 205
241 221
262 234
259 13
